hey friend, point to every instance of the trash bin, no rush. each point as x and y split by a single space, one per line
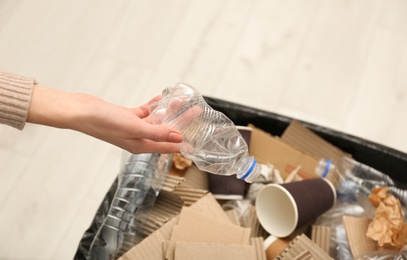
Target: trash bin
382 158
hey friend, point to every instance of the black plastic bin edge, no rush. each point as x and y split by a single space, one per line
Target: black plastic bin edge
382 158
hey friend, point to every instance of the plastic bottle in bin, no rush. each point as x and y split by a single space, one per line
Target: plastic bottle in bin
350 176
140 179
211 140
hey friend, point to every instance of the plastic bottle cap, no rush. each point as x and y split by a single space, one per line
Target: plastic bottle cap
326 170
250 170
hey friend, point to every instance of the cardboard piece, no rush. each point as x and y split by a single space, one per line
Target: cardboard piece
253 223
298 246
233 216
208 206
305 140
268 149
189 195
171 182
205 251
356 229
321 235
306 255
197 227
155 245
167 206
174 194
258 243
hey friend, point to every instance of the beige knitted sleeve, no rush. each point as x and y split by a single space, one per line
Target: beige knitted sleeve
15 98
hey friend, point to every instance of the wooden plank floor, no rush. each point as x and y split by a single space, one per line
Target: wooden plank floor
341 64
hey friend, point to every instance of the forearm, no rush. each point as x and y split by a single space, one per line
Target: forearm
53 107
23 100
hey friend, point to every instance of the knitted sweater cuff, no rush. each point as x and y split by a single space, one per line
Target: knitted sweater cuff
15 97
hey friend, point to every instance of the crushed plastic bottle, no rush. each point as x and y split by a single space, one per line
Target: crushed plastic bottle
211 140
140 179
351 177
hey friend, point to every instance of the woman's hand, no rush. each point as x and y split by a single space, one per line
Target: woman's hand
127 128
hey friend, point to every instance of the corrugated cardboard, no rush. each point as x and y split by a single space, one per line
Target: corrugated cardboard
258 243
171 182
321 235
189 195
194 226
206 251
299 245
253 223
356 229
269 149
154 247
167 206
233 216
304 256
305 140
174 194
209 206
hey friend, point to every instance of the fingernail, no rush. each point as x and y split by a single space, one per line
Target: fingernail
175 137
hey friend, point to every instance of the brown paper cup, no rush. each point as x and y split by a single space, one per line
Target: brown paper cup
246 132
274 246
282 208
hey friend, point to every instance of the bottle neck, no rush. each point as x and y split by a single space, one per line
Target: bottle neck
252 173
250 170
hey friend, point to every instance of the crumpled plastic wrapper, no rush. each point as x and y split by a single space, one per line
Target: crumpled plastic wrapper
387 226
180 162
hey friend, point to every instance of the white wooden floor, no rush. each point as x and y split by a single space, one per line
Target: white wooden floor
341 64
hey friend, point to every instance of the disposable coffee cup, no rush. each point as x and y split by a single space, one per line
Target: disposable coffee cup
274 246
283 208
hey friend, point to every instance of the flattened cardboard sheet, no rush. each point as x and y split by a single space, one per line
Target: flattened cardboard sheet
154 246
269 149
233 216
206 251
305 140
258 243
321 235
194 226
356 229
303 244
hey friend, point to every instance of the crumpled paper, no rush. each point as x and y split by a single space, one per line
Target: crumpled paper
387 226
180 162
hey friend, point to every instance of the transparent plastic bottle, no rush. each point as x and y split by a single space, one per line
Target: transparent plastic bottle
351 176
140 179
211 140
